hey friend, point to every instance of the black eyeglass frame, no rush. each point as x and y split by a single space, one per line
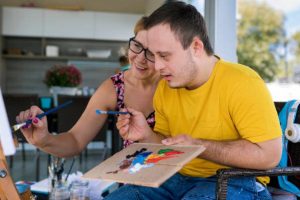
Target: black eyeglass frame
146 50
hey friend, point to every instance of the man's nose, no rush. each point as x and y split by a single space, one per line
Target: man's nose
158 65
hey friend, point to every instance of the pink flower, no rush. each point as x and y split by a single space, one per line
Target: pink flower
61 75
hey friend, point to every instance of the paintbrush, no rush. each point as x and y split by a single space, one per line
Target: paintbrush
110 112
40 116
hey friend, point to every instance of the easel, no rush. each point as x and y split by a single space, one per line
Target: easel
8 189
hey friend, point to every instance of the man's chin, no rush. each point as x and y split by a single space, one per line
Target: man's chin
174 85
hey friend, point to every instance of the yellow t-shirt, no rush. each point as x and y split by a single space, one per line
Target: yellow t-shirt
233 104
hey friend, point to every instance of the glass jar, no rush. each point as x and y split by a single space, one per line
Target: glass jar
79 190
60 192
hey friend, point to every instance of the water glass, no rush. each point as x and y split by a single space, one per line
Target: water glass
79 190
60 193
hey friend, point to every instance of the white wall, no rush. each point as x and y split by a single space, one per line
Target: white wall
150 6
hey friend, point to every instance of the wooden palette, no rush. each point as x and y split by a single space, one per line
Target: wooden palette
153 176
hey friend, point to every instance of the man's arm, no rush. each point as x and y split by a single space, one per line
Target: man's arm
239 153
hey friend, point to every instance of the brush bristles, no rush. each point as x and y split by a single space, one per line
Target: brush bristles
14 128
17 126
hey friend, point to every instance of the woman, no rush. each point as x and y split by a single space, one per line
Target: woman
133 88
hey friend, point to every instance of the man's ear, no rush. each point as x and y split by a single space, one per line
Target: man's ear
197 46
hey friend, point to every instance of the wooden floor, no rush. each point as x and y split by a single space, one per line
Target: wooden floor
26 168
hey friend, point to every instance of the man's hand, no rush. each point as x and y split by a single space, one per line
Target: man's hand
180 139
133 126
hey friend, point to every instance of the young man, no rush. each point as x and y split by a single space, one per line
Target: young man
203 100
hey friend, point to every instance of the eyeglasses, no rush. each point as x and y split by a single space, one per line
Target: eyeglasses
137 48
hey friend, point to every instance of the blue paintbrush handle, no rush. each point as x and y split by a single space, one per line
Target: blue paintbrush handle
110 112
40 116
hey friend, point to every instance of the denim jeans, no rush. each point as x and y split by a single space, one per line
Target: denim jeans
192 188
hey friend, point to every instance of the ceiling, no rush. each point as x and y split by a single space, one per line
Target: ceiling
123 6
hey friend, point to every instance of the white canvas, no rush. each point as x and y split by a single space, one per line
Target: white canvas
6 138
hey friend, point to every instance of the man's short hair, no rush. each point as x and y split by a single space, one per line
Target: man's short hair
184 20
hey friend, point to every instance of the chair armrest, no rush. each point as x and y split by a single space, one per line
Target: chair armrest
224 174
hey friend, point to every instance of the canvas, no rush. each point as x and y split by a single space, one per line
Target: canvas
6 138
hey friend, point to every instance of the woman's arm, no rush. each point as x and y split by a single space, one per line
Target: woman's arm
72 142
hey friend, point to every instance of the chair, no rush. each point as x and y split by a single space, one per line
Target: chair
68 116
224 174
15 103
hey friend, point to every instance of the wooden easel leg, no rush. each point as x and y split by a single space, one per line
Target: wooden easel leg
8 190
2 194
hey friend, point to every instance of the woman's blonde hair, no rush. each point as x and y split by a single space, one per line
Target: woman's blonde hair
140 25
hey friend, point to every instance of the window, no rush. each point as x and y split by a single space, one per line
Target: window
268 35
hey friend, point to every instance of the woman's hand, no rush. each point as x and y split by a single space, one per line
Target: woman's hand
36 132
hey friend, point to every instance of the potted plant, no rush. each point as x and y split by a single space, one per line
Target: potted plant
63 79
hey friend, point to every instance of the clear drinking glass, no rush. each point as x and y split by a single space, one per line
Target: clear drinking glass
79 190
60 192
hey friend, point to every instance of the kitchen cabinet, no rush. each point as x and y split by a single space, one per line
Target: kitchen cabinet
68 24
22 21
26 32
36 22
115 26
